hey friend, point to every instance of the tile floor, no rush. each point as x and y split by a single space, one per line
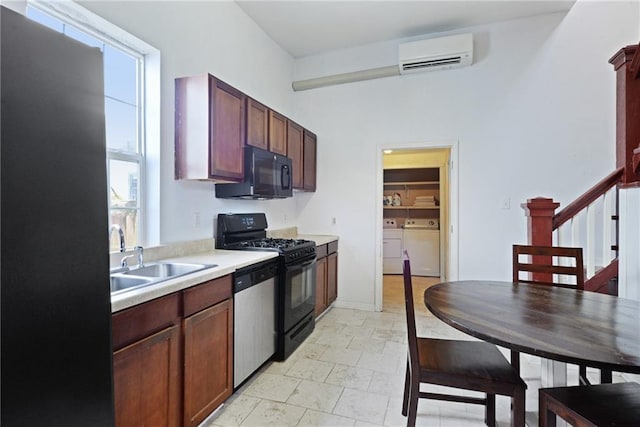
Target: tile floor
350 372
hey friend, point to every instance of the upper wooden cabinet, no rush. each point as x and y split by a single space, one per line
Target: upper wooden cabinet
209 129
294 152
214 122
309 161
277 133
257 124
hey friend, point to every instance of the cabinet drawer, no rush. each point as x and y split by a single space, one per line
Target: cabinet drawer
332 247
207 294
138 322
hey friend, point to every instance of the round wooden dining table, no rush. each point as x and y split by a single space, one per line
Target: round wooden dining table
567 325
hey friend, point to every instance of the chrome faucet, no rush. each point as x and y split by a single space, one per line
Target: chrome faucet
124 264
139 251
120 235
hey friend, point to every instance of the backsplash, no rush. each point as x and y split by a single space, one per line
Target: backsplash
283 233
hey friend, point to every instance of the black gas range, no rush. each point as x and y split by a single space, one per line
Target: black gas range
292 250
296 284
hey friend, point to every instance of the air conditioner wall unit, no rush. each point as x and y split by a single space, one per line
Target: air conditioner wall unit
436 54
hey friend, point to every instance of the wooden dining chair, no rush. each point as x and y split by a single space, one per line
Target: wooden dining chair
468 365
544 265
591 406
555 266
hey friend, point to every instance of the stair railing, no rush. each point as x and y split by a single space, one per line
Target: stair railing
589 222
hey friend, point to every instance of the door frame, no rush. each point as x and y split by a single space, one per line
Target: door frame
450 270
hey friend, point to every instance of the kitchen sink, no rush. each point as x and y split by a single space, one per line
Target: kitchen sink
167 270
120 282
152 274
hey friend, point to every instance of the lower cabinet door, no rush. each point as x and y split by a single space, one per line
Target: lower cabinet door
208 361
321 286
146 381
332 277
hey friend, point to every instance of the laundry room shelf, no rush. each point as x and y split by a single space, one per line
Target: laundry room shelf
410 207
410 183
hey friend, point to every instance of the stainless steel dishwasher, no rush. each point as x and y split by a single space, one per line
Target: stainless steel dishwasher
254 330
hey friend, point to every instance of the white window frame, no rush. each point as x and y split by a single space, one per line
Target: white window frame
148 97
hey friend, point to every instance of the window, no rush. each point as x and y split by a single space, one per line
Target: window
124 116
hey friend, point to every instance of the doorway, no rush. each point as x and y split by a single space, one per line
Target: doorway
418 212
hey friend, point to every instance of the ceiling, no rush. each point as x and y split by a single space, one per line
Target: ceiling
306 28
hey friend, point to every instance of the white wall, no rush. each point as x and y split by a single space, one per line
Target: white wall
205 37
537 107
534 116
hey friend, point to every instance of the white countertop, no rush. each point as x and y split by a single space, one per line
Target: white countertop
227 262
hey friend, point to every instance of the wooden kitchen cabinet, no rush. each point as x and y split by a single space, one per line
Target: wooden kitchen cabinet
208 348
146 364
332 277
215 121
295 152
277 133
257 124
209 129
173 356
321 286
309 161
326 276
145 381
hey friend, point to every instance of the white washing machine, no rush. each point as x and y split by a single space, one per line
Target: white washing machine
421 239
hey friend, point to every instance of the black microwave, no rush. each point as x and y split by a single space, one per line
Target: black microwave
266 176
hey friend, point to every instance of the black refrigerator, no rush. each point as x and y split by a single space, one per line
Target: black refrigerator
55 355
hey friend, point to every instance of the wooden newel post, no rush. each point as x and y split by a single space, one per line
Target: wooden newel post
540 212
626 63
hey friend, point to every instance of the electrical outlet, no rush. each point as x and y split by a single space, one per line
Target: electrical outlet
333 220
196 219
505 203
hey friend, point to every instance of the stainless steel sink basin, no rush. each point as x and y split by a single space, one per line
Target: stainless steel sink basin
120 282
167 270
151 274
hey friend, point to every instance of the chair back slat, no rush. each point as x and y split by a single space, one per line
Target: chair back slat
412 335
541 263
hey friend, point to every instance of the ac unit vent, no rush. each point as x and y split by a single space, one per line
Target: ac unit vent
433 54
433 63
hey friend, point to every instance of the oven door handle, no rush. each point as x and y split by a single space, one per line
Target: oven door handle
303 265
308 263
